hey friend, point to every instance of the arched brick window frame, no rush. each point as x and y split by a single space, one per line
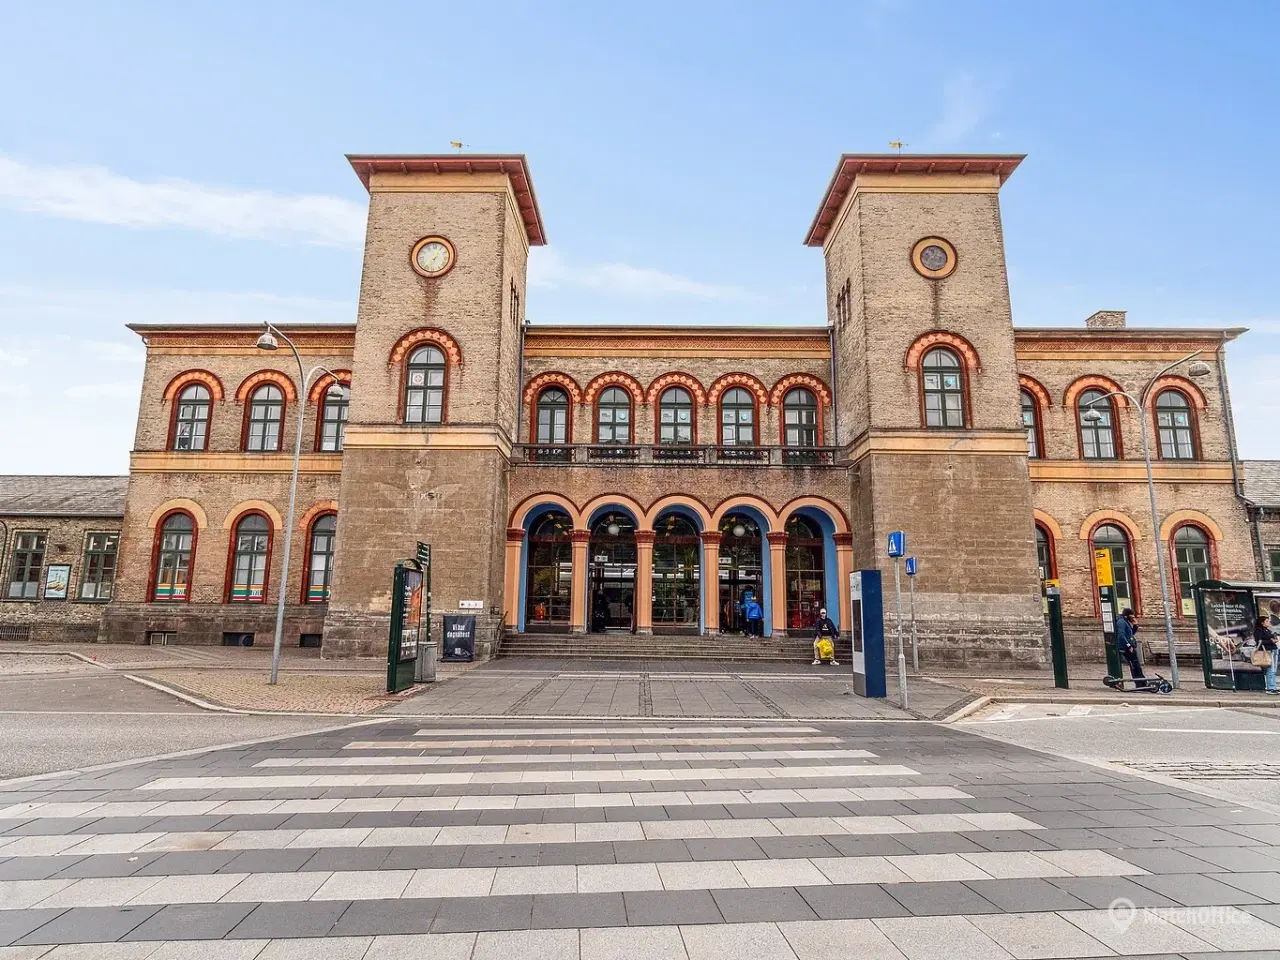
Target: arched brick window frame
316 397
820 392
630 423
231 554
157 535
173 391
405 347
313 517
1043 401
1071 403
532 405
1195 406
613 378
1051 571
676 379
964 352
244 395
754 388
1102 519
1171 546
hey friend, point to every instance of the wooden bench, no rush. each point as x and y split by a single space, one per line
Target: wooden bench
1159 647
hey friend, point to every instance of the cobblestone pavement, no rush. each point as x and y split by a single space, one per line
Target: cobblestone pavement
783 840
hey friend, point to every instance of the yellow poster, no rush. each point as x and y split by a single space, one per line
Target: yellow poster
1102 567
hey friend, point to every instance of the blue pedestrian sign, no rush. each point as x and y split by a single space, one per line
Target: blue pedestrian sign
897 544
911 566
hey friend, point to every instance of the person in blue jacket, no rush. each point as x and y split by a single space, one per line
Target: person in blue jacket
1127 645
753 614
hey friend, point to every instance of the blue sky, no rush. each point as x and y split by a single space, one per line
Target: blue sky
166 162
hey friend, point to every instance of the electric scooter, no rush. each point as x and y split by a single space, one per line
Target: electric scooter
1152 684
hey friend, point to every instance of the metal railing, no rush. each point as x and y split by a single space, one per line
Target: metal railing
673 455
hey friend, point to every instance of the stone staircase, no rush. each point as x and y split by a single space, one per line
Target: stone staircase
626 646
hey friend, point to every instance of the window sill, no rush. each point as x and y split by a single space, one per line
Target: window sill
22 600
97 600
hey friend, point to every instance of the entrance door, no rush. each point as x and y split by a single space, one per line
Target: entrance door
740 569
612 573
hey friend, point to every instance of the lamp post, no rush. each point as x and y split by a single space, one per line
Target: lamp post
1092 415
270 340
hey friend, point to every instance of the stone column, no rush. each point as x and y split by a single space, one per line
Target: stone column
844 567
511 590
644 581
581 539
710 582
778 580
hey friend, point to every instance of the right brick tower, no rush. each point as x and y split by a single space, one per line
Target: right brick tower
927 395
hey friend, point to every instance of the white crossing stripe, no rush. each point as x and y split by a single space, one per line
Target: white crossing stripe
586 730
529 776
35 810
567 759
79 844
586 878
582 742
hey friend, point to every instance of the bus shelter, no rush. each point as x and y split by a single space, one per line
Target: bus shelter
1226 611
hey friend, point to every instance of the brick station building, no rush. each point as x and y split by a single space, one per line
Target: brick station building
635 482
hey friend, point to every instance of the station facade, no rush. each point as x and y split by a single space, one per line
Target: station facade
643 480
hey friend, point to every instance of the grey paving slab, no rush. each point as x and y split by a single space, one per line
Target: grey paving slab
383 917
34 868
851 901
1193 890
578 910
1103 891
1265 885
191 921
772 904
1025 895
939 898
487 913
16 924
671 907
89 925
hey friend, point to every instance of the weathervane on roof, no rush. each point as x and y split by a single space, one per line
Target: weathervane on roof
896 145
457 145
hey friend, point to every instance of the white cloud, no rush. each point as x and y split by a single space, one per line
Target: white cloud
97 195
547 268
964 104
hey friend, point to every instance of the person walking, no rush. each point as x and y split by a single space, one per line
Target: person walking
1127 645
1266 640
754 615
824 640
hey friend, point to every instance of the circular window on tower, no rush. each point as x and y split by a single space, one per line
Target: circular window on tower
933 257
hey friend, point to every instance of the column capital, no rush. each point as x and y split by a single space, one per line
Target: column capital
842 539
645 536
710 538
580 536
515 534
777 538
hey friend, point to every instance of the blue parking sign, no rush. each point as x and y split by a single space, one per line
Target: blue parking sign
911 566
897 543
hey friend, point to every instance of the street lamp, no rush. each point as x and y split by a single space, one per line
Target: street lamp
270 340
1093 415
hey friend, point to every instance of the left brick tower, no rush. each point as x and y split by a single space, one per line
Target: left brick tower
435 389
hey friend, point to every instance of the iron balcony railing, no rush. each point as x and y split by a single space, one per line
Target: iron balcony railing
674 455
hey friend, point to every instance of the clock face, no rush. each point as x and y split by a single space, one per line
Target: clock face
933 257
432 256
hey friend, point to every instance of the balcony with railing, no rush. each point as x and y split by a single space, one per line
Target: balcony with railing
673 455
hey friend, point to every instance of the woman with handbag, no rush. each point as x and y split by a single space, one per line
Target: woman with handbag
1267 654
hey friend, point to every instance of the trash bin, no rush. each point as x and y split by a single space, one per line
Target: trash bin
425 667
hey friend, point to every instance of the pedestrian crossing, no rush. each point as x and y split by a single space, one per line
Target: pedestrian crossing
595 842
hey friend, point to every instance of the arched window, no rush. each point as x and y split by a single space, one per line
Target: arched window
675 416
191 418
424 386
1031 423
552 416
548 590
1111 537
265 418
737 418
1044 554
806 572
1174 426
943 383
1192 561
250 545
333 417
320 558
677 573
741 570
799 418
1097 437
175 546
613 416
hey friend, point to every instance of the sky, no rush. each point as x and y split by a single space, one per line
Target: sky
183 163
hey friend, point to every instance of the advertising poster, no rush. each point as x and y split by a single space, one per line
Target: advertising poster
1228 619
459 638
57 579
411 615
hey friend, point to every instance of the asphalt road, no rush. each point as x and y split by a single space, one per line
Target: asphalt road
1235 752
59 714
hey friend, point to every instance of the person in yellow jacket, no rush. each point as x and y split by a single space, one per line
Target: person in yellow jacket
824 640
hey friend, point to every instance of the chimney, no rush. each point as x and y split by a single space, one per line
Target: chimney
1106 320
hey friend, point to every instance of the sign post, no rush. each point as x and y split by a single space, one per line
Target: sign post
897 549
866 633
1057 641
406 624
425 668
1107 608
912 566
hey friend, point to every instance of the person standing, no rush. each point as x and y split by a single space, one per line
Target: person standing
1127 645
1266 640
824 639
753 614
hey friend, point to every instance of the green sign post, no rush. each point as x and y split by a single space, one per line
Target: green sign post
407 595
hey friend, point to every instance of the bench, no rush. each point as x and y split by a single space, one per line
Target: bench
1159 647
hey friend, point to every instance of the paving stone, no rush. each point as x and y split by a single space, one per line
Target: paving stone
191 921
851 901
1265 885
633 943
1039 936
1025 895
940 938
759 941
1103 891
86 925
772 904
579 910
671 907
487 913
16 924
1193 890
206 949
935 899
527 944
384 917
1226 929
1145 932
309 948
